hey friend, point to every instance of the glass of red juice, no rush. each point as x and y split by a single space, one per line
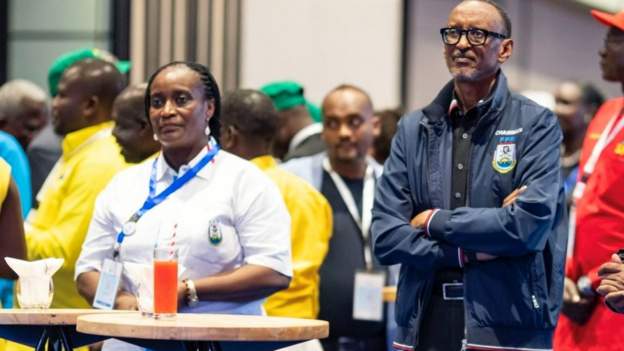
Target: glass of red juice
165 282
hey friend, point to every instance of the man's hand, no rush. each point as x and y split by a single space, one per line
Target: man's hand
513 196
571 293
612 283
575 306
420 220
612 275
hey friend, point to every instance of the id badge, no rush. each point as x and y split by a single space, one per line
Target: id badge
368 296
108 285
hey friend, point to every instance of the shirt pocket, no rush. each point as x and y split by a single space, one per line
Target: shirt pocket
209 235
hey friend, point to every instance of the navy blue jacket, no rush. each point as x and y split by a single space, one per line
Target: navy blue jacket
512 301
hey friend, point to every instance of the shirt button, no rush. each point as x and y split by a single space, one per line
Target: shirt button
465 136
458 195
460 166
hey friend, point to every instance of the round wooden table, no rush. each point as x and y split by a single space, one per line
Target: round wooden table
197 331
54 327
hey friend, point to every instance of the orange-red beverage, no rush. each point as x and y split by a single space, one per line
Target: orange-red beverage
165 286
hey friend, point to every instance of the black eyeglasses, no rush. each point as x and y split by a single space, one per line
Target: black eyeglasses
475 36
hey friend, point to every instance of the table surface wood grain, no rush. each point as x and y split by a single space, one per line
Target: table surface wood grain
52 316
203 327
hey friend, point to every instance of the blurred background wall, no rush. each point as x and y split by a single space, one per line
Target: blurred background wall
391 48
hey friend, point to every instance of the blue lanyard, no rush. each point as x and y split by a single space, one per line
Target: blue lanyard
154 200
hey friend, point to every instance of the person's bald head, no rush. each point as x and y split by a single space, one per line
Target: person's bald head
249 123
349 124
85 96
132 130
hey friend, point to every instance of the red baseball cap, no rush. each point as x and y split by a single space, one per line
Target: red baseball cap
608 19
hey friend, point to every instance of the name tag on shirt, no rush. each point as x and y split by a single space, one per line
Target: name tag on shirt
110 276
368 296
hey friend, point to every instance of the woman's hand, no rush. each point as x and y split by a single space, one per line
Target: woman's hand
126 301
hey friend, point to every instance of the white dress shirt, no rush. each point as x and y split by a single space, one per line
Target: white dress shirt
229 194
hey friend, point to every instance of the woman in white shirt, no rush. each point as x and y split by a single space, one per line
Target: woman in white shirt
228 222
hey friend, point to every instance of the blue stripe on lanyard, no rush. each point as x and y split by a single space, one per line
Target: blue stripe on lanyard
154 200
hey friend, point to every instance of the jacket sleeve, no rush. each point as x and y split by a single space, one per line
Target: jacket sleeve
524 226
394 239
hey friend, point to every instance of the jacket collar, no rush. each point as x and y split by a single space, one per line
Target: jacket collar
437 111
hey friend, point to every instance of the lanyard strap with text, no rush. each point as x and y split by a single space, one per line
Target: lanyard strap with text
606 137
368 194
154 200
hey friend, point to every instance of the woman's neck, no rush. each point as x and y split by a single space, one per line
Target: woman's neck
177 157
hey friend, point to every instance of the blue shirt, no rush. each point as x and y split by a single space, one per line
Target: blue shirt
11 151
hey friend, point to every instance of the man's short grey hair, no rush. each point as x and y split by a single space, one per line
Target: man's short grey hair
14 92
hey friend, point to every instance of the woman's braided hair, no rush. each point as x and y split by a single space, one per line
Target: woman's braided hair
211 92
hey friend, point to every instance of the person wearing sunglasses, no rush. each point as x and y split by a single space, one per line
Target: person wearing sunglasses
471 203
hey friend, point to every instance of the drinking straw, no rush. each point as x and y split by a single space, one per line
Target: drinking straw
173 241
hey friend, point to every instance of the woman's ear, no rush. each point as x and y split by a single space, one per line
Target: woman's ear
210 109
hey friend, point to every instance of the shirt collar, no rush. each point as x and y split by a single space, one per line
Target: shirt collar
303 134
264 162
163 170
482 105
74 141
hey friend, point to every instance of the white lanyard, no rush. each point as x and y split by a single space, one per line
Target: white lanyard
606 137
368 194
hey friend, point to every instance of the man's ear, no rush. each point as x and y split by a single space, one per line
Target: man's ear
90 106
376 123
505 50
229 137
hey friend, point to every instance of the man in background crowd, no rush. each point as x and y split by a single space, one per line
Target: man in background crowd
347 177
598 230
132 130
248 127
388 123
575 105
45 149
298 133
81 114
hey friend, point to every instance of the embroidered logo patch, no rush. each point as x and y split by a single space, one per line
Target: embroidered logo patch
214 233
505 155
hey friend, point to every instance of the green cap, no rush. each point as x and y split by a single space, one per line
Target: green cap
315 111
64 61
285 94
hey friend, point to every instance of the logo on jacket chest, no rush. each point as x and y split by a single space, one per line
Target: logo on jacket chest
505 155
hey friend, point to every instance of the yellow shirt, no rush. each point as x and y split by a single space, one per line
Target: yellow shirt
5 180
89 160
311 228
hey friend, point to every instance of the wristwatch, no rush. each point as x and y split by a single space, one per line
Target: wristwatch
191 298
585 287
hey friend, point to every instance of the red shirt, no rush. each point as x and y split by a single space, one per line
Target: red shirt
599 234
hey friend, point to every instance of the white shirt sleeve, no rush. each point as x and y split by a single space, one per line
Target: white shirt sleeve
262 222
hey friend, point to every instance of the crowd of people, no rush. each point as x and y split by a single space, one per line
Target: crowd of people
498 218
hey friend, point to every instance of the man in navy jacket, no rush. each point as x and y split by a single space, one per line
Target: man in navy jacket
472 206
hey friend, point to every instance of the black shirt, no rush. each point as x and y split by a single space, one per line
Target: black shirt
463 128
344 258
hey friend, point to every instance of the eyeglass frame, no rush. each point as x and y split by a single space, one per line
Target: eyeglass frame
463 32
